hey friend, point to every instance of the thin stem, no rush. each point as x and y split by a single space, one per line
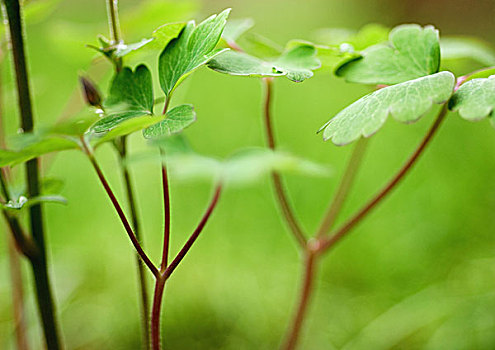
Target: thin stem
194 236
20 327
295 326
156 313
114 28
166 214
344 187
160 281
113 20
340 233
280 192
131 201
45 301
120 212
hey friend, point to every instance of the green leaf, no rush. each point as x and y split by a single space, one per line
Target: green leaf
412 52
260 46
193 48
241 64
236 28
406 102
296 63
160 39
370 34
475 99
455 48
50 186
131 95
244 167
36 146
127 127
23 202
176 120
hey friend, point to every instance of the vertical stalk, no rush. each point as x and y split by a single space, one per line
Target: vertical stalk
116 36
302 307
18 309
160 281
166 214
131 201
20 328
114 28
280 192
44 296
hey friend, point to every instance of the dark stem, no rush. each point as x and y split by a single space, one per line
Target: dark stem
280 192
295 326
344 187
131 201
119 210
340 233
45 301
166 214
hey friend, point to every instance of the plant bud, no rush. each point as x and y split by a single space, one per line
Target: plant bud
90 92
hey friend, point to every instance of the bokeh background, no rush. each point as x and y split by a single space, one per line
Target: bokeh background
418 273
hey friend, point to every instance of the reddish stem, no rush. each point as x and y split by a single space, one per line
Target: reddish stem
280 192
120 212
306 292
327 243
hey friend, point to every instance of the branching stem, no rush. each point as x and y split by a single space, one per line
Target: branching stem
120 212
340 233
280 191
162 278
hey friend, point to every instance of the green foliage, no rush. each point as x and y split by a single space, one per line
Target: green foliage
406 102
22 202
176 120
160 39
370 34
412 52
475 99
193 48
235 28
456 48
131 95
297 63
35 146
242 168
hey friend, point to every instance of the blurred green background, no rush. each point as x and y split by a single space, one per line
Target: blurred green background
418 273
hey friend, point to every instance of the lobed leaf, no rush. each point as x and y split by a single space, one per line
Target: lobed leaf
406 102
193 48
475 99
131 95
297 63
127 127
412 52
176 120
